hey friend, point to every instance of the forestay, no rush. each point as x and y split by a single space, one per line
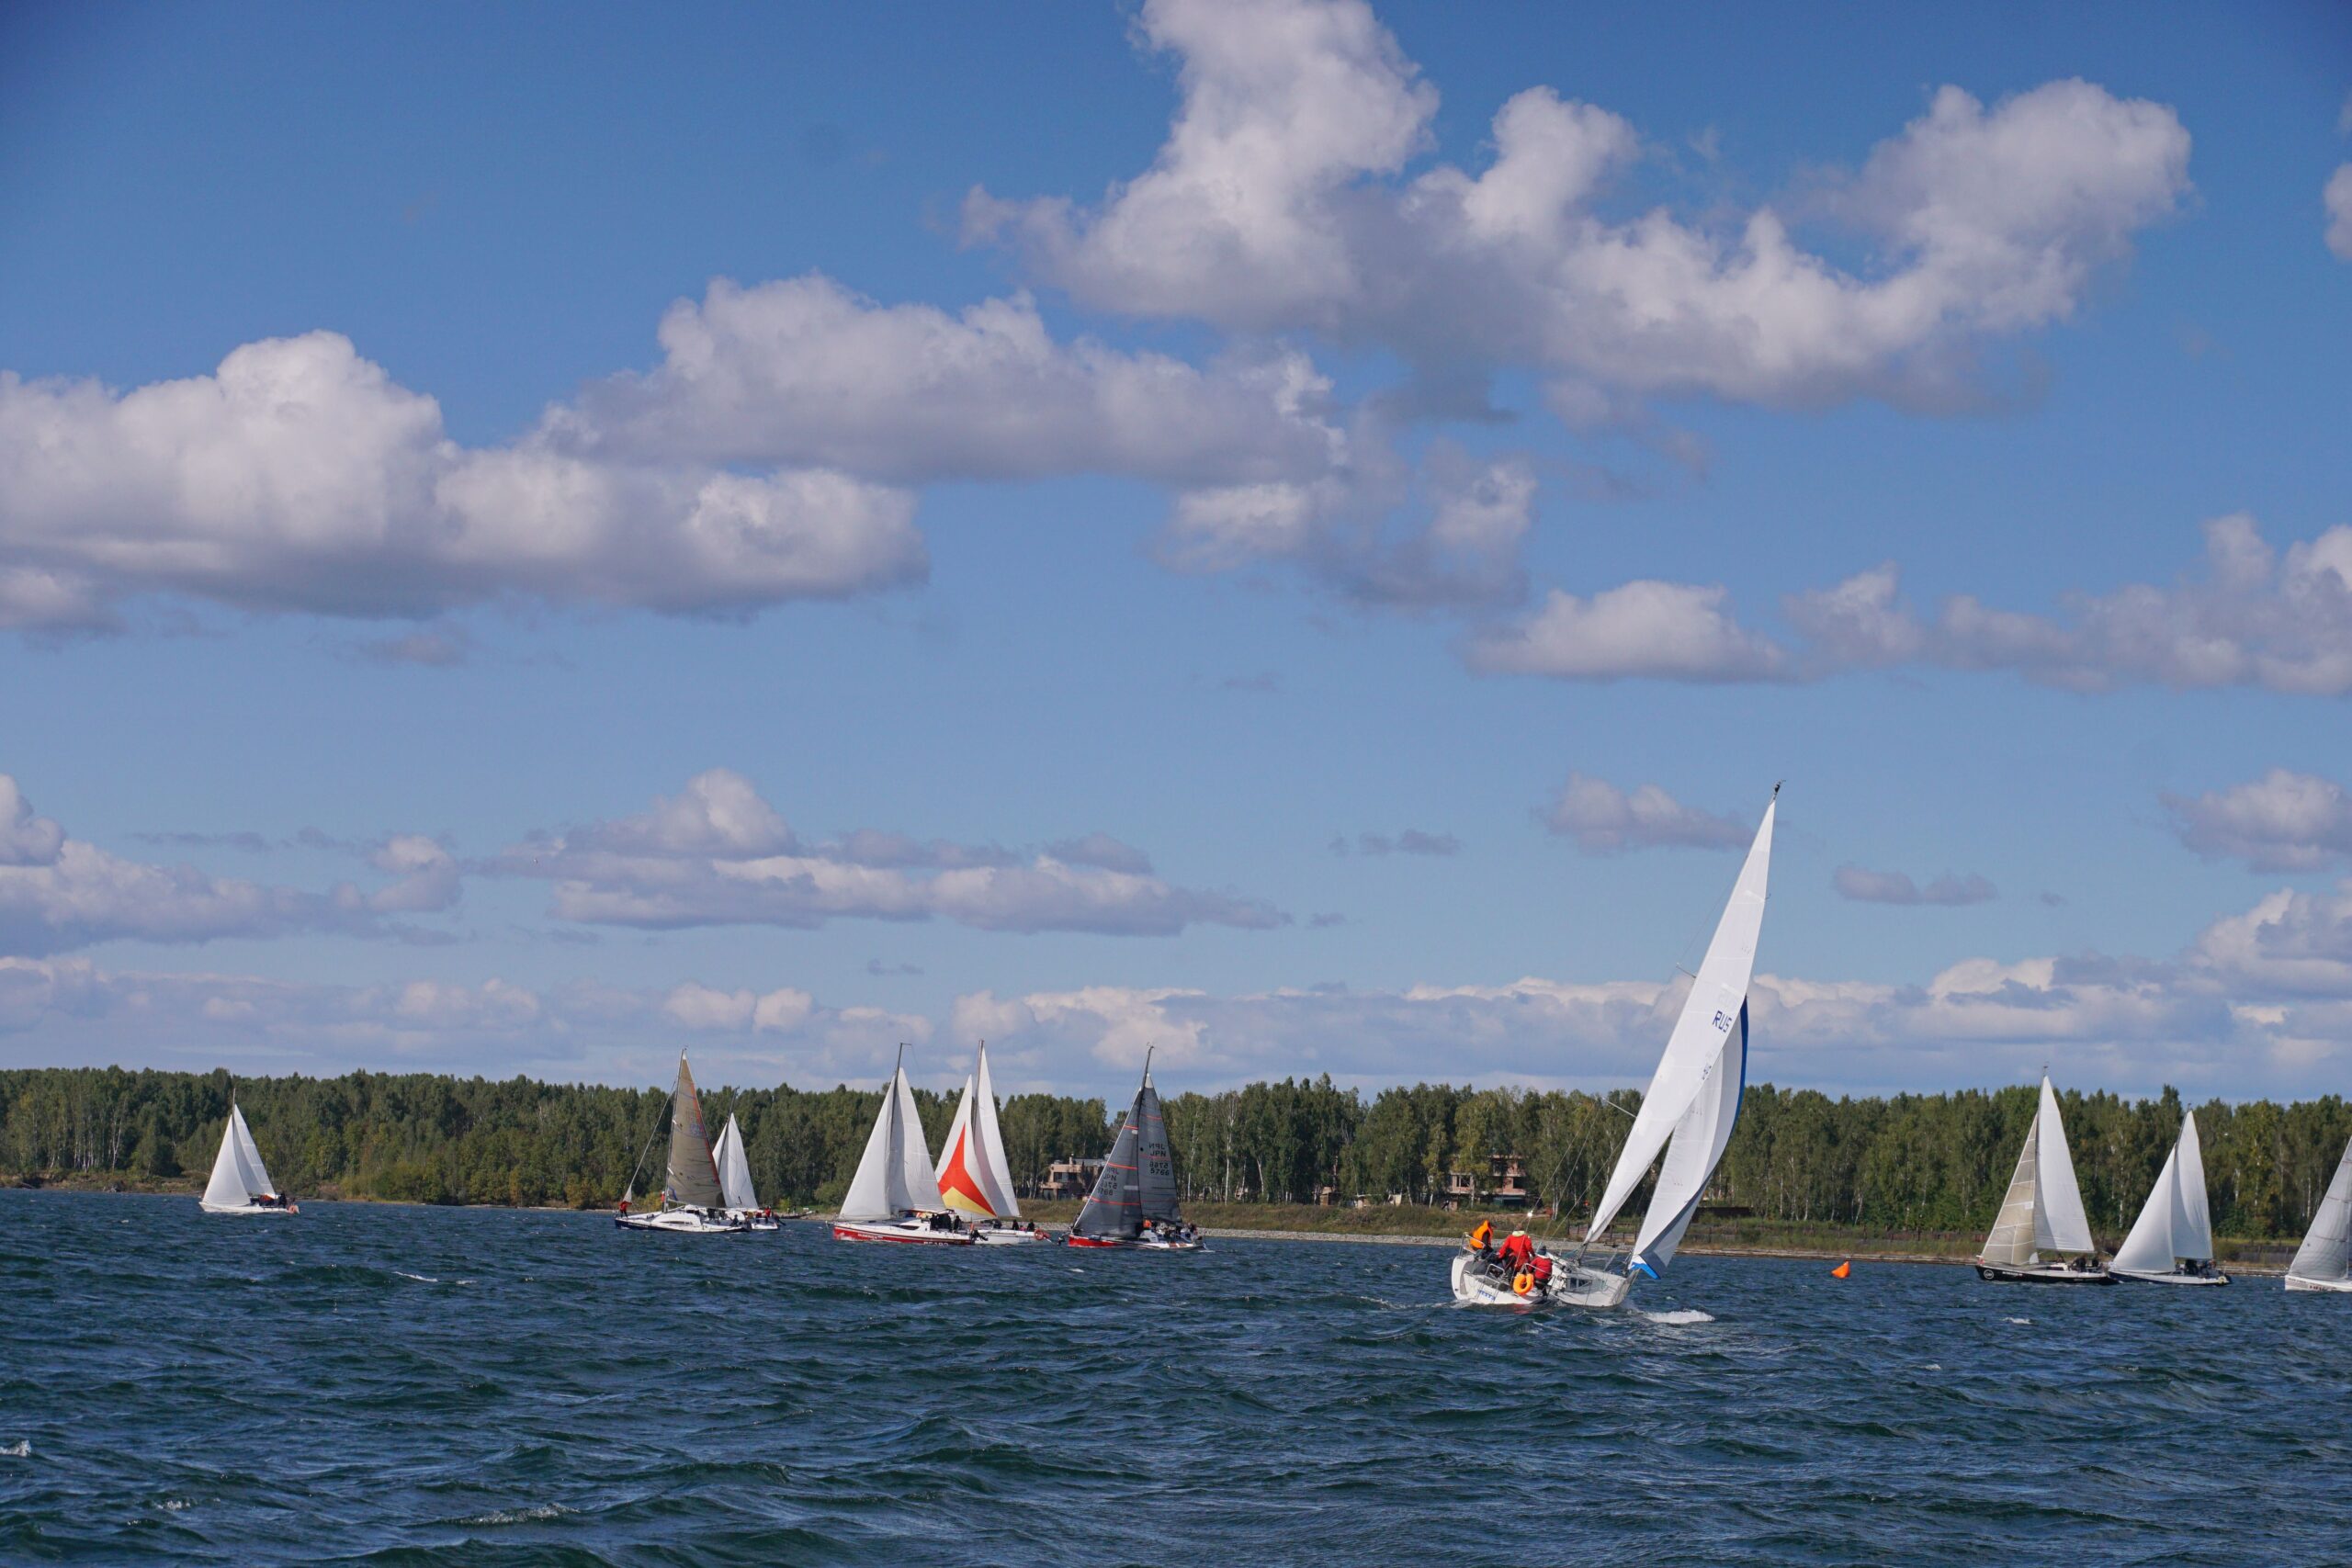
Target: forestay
2326 1252
1694 1052
694 1175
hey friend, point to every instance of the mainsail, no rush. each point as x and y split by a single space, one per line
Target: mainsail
894 1176
238 1175
693 1175
2042 1211
2327 1252
2174 1225
734 1169
970 1160
1698 1069
1156 1162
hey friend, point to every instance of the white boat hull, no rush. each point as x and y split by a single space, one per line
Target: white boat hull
917 1232
754 1219
988 1234
1570 1285
2043 1274
2137 1278
2332 1286
248 1208
682 1222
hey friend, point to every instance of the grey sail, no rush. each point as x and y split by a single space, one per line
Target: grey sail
694 1175
2011 1245
1156 1169
1114 1209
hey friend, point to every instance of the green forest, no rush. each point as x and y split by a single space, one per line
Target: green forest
1924 1162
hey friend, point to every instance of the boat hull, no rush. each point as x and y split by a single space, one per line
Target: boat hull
910 1232
754 1219
248 1208
1571 1285
1004 1235
2332 1287
2136 1277
1133 1244
682 1222
2043 1274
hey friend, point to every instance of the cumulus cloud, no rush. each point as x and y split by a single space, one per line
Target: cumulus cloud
1672 631
2281 821
1897 888
58 893
1605 819
1280 201
720 855
2337 200
299 476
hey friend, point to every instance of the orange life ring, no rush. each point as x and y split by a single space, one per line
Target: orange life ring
1522 1282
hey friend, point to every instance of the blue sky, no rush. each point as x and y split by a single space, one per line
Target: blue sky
1134 451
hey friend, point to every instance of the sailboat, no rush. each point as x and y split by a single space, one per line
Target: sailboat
241 1183
974 1178
2041 1235
2172 1242
735 1181
1134 1200
2325 1260
894 1196
1689 1111
692 1202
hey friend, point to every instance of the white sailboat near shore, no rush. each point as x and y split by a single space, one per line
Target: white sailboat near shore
974 1177
894 1196
692 1203
1689 1111
240 1183
2041 1236
735 1188
2325 1260
2172 1242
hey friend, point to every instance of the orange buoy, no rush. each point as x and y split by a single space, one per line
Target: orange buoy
1842 1269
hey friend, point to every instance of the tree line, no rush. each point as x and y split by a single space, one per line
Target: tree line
1913 1162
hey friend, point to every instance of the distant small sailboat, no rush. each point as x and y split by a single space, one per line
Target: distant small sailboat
1134 1200
241 1183
2325 1260
735 1181
2041 1236
2172 1242
974 1177
1691 1106
894 1196
692 1202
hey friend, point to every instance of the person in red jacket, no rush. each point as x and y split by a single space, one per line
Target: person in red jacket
1518 1252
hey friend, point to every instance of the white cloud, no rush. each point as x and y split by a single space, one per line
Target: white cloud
299 476
58 893
1605 819
2281 821
1674 631
2290 944
803 372
718 855
2337 198
1897 888
1278 202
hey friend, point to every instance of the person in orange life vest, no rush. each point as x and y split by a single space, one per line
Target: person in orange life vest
1483 1236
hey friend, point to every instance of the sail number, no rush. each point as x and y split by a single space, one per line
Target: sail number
1723 1022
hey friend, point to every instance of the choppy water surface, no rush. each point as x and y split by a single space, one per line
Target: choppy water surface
387 1385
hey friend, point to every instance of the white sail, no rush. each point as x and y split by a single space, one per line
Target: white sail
2175 1224
230 1187
991 1137
256 1173
2059 1222
1697 1147
734 1169
2326 1252
1710 1013
919 1188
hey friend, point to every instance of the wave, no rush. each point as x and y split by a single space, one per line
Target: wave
1681 1317
21 1448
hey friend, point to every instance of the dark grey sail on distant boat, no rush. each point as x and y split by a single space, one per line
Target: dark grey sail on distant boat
692 1200
1134 1200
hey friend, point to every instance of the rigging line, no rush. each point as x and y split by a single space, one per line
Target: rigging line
638 1170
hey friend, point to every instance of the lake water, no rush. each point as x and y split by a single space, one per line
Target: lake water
387 1385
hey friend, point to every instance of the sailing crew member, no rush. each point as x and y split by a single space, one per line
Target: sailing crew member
1483 1237
1518 1252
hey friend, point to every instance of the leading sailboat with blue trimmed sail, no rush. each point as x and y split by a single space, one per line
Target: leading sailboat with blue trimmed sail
1688 1113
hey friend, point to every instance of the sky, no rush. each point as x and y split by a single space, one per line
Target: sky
1299 534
